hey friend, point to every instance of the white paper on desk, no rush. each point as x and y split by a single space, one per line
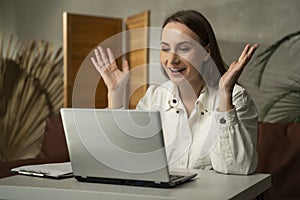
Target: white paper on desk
50 170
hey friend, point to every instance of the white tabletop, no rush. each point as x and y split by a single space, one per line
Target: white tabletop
207 185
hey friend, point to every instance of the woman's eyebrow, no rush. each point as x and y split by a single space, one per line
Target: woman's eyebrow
185 42
180 43
164 43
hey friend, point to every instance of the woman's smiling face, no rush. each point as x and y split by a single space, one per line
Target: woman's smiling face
181 53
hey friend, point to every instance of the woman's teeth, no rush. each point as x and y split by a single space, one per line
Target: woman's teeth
177 70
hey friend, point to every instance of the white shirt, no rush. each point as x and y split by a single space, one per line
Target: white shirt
224 141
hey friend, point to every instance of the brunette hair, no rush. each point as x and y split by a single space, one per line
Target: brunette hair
201 26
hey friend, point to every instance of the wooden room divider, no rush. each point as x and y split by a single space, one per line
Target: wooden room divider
83 86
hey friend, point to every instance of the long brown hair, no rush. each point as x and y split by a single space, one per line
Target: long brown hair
201 26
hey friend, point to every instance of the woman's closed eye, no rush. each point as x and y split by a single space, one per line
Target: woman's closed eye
179 50
184 49
166 49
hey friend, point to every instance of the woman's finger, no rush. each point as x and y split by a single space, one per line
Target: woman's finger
95 63
247 54
125 67
252 50
98 58
244 53
103 56
97 66
111 58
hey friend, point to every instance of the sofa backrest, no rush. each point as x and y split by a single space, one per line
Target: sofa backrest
279 154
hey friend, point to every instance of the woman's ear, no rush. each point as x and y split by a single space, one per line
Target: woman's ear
207 57
207 48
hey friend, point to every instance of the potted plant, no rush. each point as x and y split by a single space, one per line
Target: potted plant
31 89
284 105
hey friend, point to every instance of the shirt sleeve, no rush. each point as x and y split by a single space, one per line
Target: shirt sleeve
235 149
144 103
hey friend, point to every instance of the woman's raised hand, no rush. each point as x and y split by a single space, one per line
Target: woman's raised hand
230 78
106 65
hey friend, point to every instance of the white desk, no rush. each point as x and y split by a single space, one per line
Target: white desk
207 185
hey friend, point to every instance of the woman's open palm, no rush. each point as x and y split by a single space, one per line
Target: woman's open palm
229 79
105 64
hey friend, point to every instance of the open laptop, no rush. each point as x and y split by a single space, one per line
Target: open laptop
118 147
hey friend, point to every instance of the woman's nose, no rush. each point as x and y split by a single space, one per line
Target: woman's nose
173 58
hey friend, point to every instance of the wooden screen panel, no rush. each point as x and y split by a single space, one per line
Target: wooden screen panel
82 33
137 56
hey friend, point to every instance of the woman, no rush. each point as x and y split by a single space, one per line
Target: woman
209 121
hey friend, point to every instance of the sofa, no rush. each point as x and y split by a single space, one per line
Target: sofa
279 154
278 149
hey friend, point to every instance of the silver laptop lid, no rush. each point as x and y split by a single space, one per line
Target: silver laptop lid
119 144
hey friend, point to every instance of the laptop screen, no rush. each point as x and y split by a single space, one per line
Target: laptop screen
107 143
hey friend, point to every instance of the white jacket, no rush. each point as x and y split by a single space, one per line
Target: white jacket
224 141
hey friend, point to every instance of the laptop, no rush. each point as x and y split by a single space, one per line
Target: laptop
119 147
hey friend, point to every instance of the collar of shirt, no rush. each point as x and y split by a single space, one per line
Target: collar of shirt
207 98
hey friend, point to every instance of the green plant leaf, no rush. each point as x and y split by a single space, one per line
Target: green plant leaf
285 106
262 59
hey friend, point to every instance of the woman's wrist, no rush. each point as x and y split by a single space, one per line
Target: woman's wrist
117 97
225 101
